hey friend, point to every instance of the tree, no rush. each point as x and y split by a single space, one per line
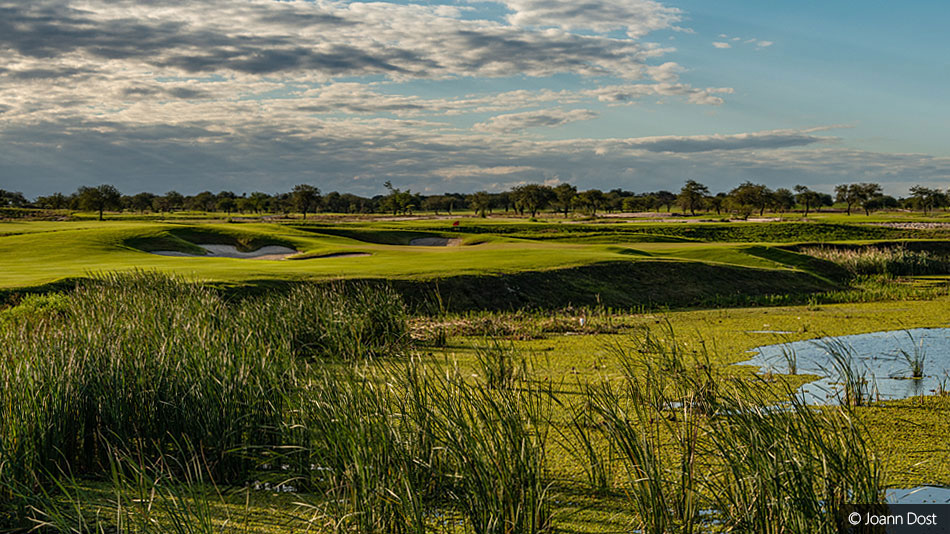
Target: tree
437 203
532 197
56 201
591 200
12 198
717 202
227 202
879 202
141 202
846 193
664 198
691 196
871 197
614 200
397 201
783 200
632 204
258 201
99 198
203 201
748 197
333 202
306 198
480 202
807 198
926 199
174 201
861 194
505 200
564 197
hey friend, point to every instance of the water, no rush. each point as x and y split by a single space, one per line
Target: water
918 495
877 356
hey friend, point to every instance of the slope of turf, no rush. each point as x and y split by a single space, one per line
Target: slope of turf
616 284
42 253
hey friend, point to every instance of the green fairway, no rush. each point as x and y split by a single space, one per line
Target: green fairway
41 252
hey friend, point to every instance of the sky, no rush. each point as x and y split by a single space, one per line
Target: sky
458 96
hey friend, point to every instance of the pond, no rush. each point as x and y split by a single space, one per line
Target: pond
884 359
918 495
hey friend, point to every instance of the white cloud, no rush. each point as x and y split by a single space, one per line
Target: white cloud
627 94
759 44
636 17
251 95
469 171
546 118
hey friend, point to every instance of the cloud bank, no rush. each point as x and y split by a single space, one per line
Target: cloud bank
263 94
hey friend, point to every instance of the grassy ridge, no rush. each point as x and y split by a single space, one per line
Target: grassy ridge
610 231
501 264
623 285
44 252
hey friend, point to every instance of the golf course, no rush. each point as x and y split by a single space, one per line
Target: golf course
474 267
468 374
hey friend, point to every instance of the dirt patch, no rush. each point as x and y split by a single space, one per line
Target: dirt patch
435 242
269 252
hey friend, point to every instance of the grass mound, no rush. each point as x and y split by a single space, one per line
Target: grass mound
622 284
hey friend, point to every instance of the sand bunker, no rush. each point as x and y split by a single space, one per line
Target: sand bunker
436 242
269 252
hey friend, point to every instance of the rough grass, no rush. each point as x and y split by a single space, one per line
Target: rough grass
394 444
891 261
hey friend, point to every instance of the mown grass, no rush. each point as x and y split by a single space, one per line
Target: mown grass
41 252
502 264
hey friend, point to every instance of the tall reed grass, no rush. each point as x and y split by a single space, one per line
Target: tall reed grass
411 448
892 261
146 362
163 390
706 453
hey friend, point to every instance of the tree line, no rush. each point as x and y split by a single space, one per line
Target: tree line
531 199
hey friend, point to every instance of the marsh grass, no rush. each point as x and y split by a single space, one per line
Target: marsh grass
499 364
583 439
528 324
790 356
852 379
791 468
164 392
699 458
916 358
409 448
161 495
148 362
891 261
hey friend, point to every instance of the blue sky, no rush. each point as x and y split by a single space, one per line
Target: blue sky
464 96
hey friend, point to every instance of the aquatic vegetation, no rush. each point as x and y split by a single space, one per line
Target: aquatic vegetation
915 358
179 402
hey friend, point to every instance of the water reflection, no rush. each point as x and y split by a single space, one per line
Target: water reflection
885 360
